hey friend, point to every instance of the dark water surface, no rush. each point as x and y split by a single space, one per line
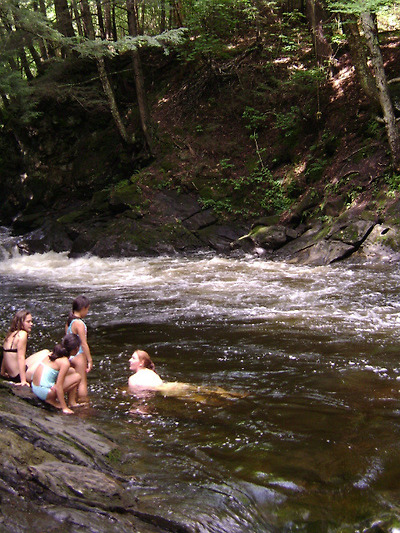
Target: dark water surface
291 418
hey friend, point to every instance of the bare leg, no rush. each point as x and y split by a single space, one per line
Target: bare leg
71 384
79 364
52 399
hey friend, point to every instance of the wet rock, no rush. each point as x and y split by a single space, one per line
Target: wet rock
323 245
269 238
322 253
304 241
354 232
55 474
218 237
51 236
382 244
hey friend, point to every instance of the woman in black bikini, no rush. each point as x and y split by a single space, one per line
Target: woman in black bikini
13 367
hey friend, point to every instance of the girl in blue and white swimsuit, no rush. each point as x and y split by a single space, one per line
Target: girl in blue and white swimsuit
52 377
82 361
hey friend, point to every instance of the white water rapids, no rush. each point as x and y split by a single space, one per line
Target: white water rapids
314 352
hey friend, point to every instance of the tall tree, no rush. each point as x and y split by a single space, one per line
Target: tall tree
63 18
317 18
366 11
368 23
101 67
139 78
359 54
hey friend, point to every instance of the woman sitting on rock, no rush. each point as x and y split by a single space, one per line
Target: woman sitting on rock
13 366
52 377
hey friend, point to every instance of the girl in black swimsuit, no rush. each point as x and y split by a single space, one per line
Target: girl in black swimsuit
13 365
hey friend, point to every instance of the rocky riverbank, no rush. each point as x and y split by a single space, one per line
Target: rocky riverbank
57 474
115 225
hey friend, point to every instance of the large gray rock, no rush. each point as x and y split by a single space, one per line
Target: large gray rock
324 252
353 232
55 474
382 244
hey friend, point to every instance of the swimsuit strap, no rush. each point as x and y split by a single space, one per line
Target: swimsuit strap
11 349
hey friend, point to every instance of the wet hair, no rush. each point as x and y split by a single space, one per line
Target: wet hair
58 351
69 343
78 304
18 321
145 358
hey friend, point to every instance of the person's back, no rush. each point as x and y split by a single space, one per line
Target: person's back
145 379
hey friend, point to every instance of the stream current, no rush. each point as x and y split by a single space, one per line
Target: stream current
291 417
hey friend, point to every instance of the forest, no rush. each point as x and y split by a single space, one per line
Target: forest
138 115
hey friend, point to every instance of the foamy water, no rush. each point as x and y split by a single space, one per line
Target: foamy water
311 355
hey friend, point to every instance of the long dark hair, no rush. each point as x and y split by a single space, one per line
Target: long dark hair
69 343
18 321
78 304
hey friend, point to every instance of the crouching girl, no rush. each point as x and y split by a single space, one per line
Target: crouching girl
52 377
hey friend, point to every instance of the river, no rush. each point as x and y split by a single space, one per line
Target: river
291 419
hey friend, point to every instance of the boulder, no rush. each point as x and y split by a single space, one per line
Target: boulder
382 244
354 232
269 238
324 252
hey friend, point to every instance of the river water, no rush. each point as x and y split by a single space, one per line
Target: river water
291 417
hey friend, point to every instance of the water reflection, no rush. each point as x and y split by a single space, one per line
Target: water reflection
290 421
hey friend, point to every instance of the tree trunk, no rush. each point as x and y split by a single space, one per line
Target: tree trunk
63 18
360 58
144 113
64 22
371 36
36 58
317 17
42 45
107 19
25 64
87 20
111 100
114 22
176 13
162 17
78 18
100 19
49 46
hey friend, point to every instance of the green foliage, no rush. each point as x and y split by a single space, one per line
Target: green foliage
212 23
95 49
373 129
356 7
393 180
22 104
255 120
315 170
225 164
308 78
289 123
250 195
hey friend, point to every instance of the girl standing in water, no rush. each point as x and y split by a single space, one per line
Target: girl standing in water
13 366
52 377
82 361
